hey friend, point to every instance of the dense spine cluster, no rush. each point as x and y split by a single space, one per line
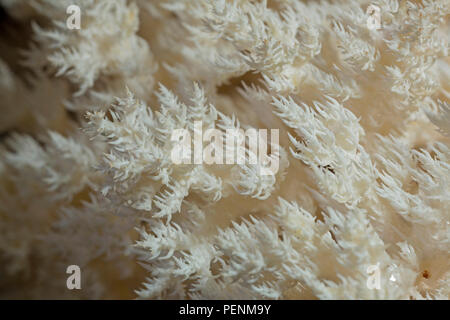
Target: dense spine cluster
87 179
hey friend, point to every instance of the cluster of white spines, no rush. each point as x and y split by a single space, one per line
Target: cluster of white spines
345 98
